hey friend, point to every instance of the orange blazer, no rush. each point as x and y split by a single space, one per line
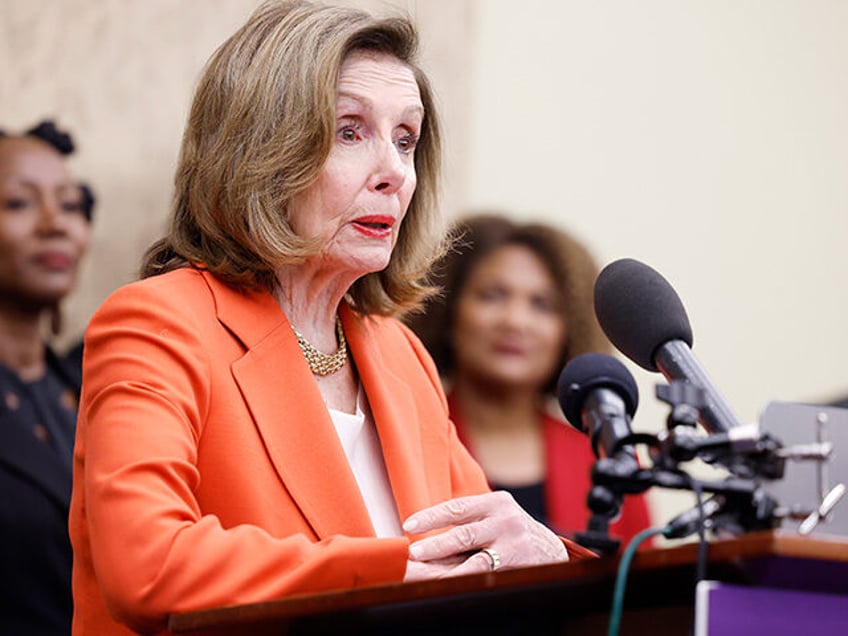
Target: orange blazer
207 470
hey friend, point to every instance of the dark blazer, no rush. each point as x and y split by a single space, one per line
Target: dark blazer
35 492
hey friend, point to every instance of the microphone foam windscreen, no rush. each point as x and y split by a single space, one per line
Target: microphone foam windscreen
639 310
587 372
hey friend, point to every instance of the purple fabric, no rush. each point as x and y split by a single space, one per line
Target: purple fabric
731 610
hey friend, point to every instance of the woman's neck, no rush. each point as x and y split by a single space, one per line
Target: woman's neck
504 431
310 302
485 406
21 345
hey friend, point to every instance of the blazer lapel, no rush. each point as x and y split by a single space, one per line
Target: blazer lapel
290 414
394 410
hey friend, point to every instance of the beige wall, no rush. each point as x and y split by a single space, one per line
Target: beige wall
708 138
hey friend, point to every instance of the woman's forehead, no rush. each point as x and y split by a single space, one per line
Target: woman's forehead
365 71
31 156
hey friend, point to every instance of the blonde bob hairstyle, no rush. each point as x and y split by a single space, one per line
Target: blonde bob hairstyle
260 129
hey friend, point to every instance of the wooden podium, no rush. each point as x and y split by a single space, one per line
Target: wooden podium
569 598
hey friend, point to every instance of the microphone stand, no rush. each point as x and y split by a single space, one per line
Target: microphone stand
739 504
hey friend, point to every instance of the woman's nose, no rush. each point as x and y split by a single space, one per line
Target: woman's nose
50 215
390 172
517 313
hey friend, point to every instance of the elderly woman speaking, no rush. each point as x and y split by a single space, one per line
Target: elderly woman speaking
254 421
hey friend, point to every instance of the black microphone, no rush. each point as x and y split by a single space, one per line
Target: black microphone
599 397
644 318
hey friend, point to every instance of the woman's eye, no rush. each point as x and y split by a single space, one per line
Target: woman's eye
15 203
491 294
349 133
545 305
72 206
407 143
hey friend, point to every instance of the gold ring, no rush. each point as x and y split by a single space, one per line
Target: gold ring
494 557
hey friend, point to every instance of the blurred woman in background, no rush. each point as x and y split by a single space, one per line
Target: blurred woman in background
516 307
44 232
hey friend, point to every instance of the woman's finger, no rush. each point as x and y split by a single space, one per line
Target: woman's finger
420 570
459 539
477 563
457 511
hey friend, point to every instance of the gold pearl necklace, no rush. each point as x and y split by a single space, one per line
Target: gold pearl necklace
322 363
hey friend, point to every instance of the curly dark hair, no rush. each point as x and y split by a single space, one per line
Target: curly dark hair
88 201
47 132
477 236
63 143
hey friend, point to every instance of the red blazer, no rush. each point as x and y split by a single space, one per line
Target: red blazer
569 459
207 468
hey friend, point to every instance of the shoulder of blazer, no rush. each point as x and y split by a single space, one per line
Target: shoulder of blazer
199 298
178 291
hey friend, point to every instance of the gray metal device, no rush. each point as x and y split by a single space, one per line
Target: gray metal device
811 491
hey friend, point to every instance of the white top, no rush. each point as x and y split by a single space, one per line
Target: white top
358 436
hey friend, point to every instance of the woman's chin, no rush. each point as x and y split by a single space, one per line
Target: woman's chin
508 380
369 263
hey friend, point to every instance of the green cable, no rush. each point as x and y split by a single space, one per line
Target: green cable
621 576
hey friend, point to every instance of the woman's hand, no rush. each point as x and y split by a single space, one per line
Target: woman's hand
493 521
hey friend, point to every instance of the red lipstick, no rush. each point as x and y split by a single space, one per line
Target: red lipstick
374 225
56 261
